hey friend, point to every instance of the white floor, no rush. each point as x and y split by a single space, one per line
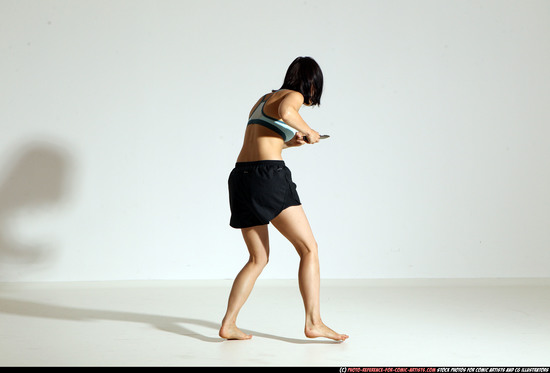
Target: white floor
390 323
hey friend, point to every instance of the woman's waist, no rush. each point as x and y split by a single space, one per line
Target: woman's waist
260 163
254 153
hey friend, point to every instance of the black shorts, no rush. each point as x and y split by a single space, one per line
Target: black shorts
259 191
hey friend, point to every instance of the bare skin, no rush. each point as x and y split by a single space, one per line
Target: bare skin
260 143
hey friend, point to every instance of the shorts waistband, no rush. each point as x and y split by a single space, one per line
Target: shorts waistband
241 165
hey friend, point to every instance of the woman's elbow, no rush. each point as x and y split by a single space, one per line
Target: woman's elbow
287 114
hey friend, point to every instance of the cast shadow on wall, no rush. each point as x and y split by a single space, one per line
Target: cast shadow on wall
34 180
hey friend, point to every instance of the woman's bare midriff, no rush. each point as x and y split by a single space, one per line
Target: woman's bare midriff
260 144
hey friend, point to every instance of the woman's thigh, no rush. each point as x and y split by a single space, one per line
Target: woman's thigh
257 242
293 224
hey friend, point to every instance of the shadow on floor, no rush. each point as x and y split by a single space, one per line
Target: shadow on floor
164 323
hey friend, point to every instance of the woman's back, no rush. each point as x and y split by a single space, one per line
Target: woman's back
273 120
260 142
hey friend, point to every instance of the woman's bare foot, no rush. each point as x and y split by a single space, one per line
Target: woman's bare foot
321 330
231 331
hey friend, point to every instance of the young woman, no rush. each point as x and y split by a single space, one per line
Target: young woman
261 191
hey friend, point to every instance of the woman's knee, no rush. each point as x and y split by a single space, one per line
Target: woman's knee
307 248
259 261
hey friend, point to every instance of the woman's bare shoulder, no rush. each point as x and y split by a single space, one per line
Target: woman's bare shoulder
290 94
294 98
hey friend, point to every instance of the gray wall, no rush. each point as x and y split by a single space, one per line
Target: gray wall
121 120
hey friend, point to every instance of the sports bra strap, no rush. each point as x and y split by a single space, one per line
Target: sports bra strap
280 127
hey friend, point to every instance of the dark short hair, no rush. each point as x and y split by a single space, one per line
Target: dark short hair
304 75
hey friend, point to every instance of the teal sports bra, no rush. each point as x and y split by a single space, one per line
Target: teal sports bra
281 128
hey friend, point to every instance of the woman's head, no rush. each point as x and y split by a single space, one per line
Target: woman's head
305 76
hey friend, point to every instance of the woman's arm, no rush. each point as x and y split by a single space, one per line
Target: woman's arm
288 111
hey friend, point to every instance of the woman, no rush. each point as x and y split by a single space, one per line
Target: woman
261 191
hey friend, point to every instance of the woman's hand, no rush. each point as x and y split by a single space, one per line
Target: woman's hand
297 140
312 137
300 139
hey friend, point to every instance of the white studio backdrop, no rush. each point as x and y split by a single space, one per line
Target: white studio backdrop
121 120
